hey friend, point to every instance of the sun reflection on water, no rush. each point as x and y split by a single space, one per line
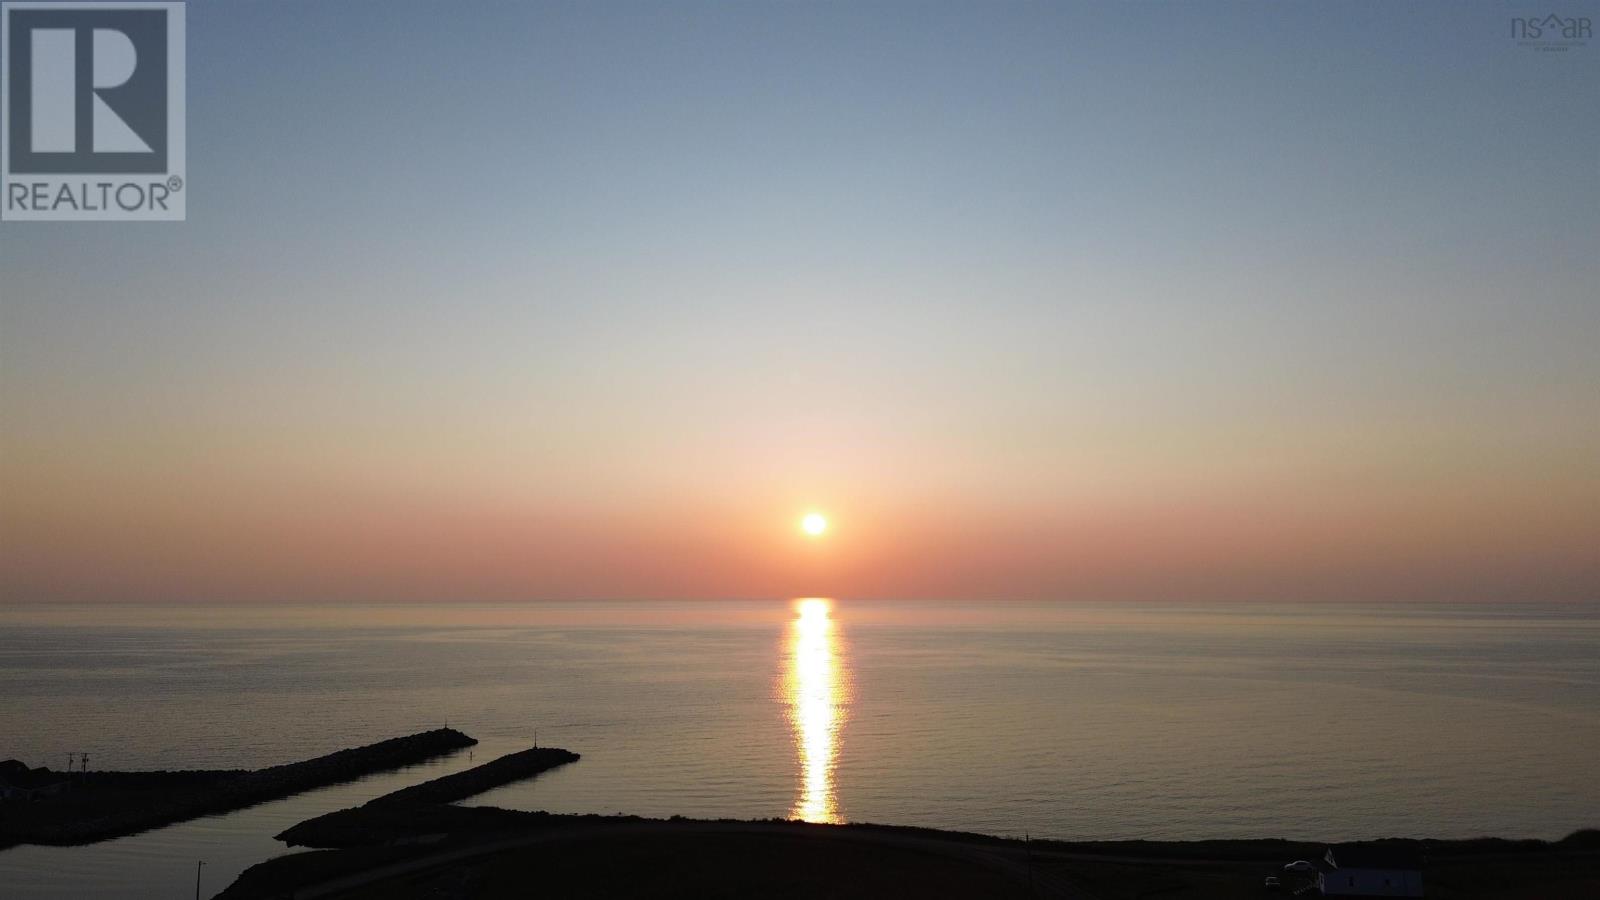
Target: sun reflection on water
816 688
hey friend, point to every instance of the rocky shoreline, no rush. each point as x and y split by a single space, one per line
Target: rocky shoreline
376 821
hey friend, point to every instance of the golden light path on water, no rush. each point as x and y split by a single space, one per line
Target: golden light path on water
817 690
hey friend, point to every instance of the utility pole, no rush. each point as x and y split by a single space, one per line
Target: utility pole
197 867
1027 843
69 762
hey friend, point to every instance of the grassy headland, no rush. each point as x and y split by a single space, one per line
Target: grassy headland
431 851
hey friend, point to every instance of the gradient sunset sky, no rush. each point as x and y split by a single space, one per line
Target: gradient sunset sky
503 301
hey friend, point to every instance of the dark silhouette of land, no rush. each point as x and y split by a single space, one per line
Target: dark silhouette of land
94 806
415 843
490 854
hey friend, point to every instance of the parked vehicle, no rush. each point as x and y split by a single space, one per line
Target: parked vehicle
1299 865
1272 884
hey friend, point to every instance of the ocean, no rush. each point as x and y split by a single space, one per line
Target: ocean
1057 720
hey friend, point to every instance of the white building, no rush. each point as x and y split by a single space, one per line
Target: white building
1372 870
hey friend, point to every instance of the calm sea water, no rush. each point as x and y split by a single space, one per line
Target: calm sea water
1059 720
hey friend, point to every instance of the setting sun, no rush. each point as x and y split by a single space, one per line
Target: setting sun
814 524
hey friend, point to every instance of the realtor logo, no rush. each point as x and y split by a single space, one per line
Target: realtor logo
92 111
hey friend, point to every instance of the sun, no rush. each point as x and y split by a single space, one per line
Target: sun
814 524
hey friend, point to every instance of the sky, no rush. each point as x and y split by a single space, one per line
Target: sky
518 301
